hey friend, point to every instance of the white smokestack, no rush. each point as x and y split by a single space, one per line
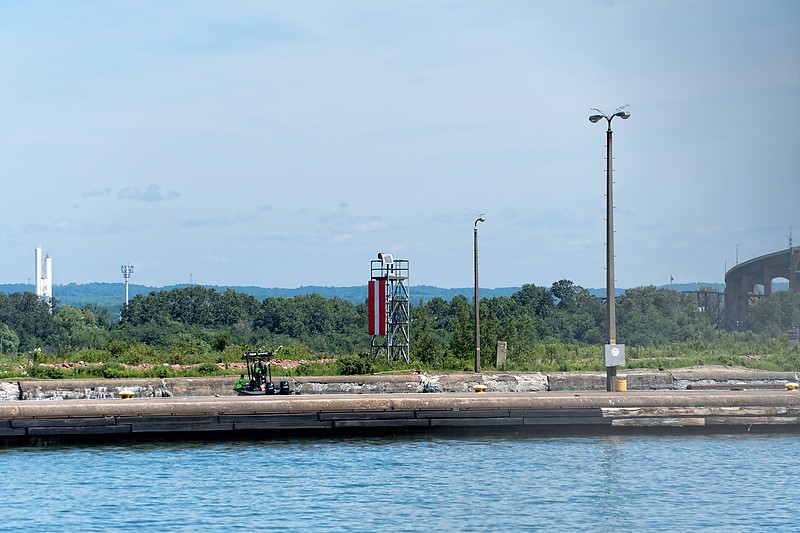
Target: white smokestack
44 275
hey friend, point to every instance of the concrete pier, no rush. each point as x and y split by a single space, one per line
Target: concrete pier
403 383
341 414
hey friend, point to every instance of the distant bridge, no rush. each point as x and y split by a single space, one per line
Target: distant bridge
747 281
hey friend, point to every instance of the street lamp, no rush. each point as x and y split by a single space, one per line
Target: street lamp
614 354
477 302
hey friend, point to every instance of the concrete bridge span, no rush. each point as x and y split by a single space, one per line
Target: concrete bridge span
747 281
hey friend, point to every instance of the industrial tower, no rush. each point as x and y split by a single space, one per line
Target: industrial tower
44 275
389 309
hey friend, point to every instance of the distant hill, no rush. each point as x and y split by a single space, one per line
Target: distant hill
688 287
111 295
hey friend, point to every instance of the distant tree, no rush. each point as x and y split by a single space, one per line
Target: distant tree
521 333
28 316
9 340
566 293
774 314
234 307
425 345
535 300
462 341
192 305
102 314
440 313
490 334
77 329
651 315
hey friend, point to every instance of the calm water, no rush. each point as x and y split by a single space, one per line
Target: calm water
735 483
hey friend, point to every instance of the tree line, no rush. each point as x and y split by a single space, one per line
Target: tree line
197 319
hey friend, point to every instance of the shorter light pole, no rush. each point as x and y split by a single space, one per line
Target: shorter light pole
477 301
127 270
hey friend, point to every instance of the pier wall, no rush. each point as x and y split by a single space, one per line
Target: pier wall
713 399
344 414
682 379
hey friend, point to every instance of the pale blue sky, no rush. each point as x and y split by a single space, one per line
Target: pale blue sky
286 143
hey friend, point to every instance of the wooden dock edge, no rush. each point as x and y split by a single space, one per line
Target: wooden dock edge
529 413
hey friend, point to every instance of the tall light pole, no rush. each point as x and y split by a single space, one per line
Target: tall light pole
613 353
477 301
127 270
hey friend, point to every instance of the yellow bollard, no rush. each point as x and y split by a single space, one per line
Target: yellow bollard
620 385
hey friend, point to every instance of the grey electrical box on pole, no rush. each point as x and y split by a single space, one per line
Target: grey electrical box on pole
614 355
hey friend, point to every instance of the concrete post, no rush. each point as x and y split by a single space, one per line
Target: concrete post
502 350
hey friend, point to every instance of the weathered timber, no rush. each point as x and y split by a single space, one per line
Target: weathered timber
380 415
381 423
659 422
558 413
63 422
572 420
49 431
494 413
472 422
778 385
420 412
751 420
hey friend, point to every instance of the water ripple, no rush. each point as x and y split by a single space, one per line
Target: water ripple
408 484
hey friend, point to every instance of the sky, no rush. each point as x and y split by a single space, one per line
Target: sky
286 143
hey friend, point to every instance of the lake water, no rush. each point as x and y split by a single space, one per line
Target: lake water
603 483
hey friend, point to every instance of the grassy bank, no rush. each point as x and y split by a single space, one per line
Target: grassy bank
145 362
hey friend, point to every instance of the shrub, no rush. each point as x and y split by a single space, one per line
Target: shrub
46 372
116 347
452 362
185 344
91 371
316 369
114 371
207 369
353 365
220 341
137 354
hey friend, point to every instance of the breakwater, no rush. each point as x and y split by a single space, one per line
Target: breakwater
276 416
681 379
696 399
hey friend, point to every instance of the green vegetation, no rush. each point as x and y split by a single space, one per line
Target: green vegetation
199 331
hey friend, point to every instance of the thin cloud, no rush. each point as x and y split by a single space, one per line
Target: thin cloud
63 227
223 221
349 223
96 194
151 194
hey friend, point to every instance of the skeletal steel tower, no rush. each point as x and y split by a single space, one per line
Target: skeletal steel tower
389 308
127 270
